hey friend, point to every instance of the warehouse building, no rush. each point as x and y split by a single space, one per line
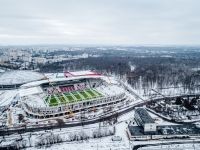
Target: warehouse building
144 120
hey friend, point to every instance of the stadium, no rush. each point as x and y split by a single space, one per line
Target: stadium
71 93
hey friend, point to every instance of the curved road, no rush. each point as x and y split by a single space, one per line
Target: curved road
109 115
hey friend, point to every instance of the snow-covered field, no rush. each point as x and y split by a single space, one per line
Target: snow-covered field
104 143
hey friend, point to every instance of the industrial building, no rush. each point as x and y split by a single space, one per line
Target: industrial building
144 120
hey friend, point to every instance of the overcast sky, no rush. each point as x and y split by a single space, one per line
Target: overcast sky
126 22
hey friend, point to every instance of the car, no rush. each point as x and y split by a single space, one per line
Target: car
116 138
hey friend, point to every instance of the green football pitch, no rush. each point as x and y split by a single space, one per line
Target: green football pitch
72 97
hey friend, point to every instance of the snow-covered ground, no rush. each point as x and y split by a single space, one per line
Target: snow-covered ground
194 146
110 90
100 144
104 143
153 91
90 143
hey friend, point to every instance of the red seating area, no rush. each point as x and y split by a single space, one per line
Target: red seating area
67 89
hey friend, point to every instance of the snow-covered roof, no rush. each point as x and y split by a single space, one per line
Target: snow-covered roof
144 116
30 91
71 74
37 83
110 90
6 97
83 73
19 77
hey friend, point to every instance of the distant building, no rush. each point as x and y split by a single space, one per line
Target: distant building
40 60
143 119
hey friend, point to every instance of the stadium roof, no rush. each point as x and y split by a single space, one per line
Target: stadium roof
19 77
37 83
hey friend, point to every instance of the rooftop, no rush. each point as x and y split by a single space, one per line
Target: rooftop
19 77
167 130
145 117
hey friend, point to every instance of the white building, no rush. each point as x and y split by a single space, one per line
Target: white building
40 60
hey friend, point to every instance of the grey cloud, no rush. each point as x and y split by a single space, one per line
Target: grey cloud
100 22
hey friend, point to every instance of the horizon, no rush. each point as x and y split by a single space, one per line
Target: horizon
101 45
